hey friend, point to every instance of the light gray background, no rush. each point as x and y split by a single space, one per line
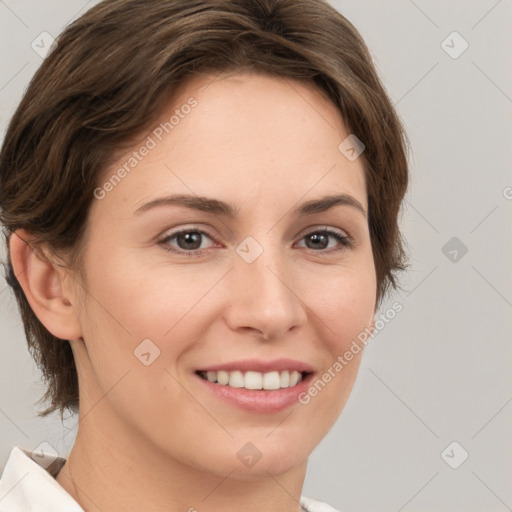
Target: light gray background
441 370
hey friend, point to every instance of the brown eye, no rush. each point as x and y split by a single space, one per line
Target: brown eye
319 240
188 241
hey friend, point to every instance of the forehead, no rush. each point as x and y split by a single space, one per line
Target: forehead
237 136
258 114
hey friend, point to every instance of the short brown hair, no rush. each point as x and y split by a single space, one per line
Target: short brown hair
109 75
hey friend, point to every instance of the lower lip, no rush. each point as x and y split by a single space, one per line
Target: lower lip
260 400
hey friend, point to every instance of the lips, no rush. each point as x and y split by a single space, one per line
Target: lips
259 365
256 385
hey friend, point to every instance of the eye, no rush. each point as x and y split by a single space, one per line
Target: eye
188 241
319 240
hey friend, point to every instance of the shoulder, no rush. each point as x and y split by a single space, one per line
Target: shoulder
27 481
310 505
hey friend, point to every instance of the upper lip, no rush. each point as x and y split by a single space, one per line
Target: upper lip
259 365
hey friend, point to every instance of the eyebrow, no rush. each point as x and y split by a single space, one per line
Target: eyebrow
214 206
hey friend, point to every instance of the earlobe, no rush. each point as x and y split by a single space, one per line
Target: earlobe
42 282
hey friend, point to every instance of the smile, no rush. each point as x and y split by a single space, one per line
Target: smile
252 380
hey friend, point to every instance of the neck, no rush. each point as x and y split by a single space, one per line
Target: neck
125 472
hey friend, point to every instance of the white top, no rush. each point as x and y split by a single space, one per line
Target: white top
28 484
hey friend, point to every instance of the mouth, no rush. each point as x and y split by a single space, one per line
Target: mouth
253 380
255 385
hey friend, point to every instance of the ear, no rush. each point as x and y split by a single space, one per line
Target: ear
46 287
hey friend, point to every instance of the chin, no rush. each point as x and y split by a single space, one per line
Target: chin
262 469
244 461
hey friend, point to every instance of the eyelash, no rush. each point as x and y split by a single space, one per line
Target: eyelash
345 241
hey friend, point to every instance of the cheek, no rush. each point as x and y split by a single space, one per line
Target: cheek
129 300
345 312
345 303
132 301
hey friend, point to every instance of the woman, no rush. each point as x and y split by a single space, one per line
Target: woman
200 204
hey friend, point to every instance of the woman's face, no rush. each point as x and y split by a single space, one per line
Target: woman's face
263 290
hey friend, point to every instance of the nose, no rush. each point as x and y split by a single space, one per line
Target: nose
263 302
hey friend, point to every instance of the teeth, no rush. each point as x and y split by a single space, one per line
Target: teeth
222 377
254 380
236 379
295 377
271 380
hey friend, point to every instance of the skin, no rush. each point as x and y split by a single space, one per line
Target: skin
151 435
